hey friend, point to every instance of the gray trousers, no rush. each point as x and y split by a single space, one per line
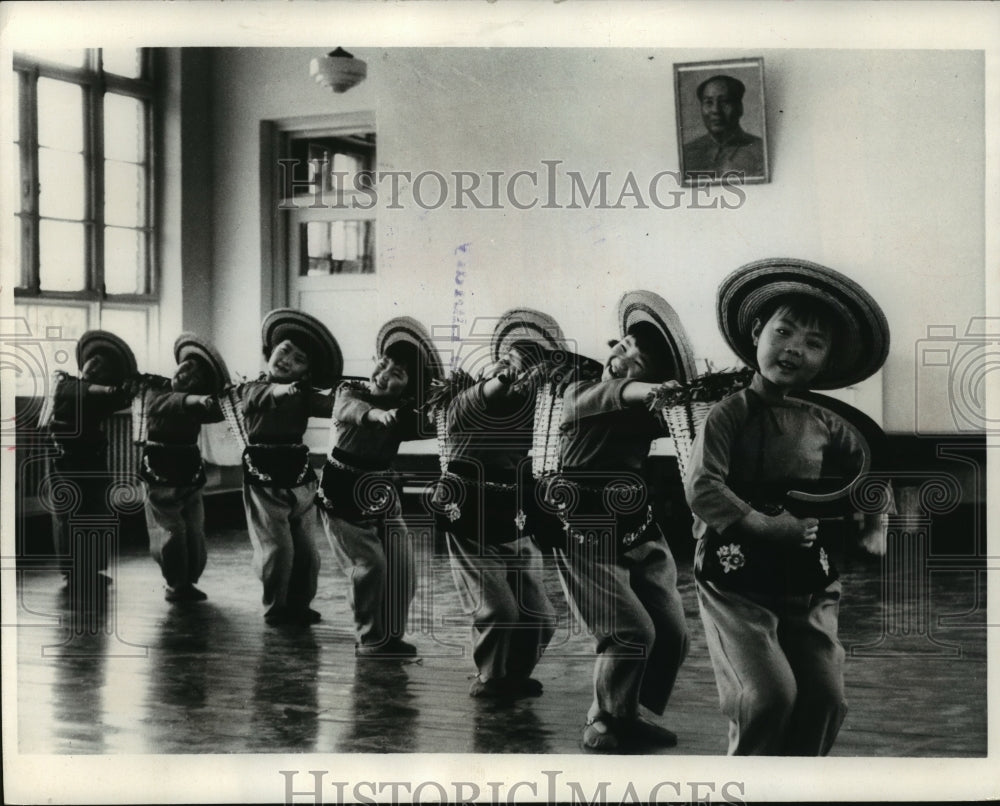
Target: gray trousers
633 609
779 668
378 560
501 587
284 528
175 518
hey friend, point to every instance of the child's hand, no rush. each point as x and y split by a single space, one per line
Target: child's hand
382 418
874 534
132 386
282 390
636 393
786 528
203 402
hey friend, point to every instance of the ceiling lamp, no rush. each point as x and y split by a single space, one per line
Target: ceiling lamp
338 70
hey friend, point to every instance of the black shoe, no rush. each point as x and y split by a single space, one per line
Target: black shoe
524 687
599 735
643 731
391 648
185 593
307 616
495 688
279 615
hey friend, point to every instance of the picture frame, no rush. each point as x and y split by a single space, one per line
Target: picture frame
722 122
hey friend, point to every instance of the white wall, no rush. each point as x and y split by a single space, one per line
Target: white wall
877 171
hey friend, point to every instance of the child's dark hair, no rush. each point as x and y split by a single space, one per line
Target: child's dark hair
533 352
406 355
205 375
301 344
113 363
805 309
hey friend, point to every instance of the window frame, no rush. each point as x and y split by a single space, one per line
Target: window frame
279 213
94 84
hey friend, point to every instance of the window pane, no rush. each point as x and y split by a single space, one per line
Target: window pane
60 115
122 61
124 130
337 247
73 57
61 250
124 196
124 261
61 184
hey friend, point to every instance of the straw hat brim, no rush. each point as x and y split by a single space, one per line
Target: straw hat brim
326 363
526 324
190 345
645 306
409 330
864 345
98 341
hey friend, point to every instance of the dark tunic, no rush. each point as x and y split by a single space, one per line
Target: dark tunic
275 425
170 457
751 449
356 482
488 491
603 446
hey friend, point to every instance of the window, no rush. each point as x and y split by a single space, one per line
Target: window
84 126
324 172
318 174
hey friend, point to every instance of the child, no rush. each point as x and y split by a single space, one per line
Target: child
172 414
359 504
73 416
495 563
767 587
625 587
279 485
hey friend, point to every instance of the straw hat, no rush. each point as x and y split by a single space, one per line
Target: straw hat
326 364
190 345
645 306
408 330
103 341
526 324
864 345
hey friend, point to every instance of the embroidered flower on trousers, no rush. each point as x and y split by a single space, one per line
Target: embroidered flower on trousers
824 561
731 557
453 511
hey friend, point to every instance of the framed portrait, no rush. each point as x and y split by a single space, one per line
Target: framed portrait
721 122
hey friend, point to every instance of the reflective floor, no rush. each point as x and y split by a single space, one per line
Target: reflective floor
130 673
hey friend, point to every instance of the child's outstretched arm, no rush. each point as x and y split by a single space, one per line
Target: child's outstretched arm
594 399
204 407
320 404
351 406
110 399
381 418
264 396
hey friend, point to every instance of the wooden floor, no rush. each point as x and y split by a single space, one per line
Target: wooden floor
212 678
